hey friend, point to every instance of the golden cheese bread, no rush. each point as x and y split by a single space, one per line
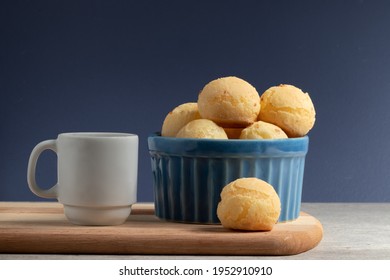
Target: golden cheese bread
202 128
289 108
179 117
249 204
262 130
229 102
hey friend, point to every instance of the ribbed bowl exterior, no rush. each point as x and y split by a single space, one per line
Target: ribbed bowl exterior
189 174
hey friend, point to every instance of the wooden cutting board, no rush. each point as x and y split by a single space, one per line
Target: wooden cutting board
31 227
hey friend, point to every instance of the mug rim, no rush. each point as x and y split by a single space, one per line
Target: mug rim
94 135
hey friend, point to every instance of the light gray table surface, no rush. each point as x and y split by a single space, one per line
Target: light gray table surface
352 231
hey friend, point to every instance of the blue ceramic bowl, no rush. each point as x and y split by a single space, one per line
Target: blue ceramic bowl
189 174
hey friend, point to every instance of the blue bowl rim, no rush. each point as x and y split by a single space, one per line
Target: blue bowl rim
227 147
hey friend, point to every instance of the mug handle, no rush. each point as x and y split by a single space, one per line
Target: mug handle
32 163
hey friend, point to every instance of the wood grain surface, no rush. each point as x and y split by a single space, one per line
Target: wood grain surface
31 227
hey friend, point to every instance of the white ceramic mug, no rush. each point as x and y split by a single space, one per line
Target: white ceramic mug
97 176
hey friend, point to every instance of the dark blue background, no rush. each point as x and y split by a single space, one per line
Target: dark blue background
123 65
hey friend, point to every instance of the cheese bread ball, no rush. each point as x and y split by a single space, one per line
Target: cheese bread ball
262 130
202 128
249 204
233 132
179 117
289 108
229 102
